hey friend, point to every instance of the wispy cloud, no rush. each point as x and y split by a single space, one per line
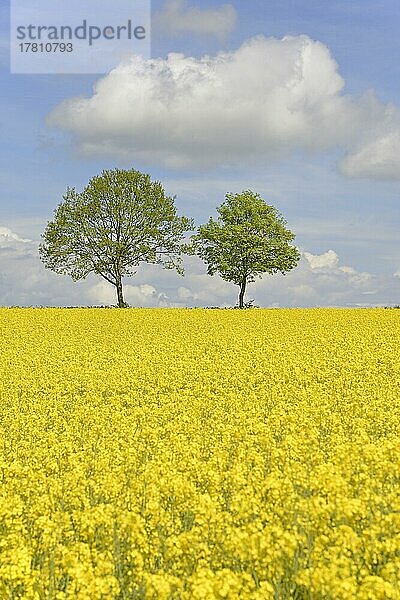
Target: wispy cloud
177 17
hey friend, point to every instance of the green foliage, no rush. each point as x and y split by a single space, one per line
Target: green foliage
119 220
248 239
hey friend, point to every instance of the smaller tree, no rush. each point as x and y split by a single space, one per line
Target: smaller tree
248 239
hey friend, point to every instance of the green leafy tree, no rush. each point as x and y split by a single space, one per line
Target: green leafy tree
248 239
119 220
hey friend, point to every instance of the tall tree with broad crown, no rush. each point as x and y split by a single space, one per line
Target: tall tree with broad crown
119 220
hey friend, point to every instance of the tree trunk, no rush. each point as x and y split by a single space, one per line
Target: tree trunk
120 295
241 293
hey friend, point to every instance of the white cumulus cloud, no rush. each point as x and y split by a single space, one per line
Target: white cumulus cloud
322 261
264 99
10 239
328 264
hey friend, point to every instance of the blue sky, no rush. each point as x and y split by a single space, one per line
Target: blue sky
337 184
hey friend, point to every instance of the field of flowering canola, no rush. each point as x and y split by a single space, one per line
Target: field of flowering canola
197 454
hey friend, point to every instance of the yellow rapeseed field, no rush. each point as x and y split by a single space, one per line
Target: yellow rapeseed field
199 454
